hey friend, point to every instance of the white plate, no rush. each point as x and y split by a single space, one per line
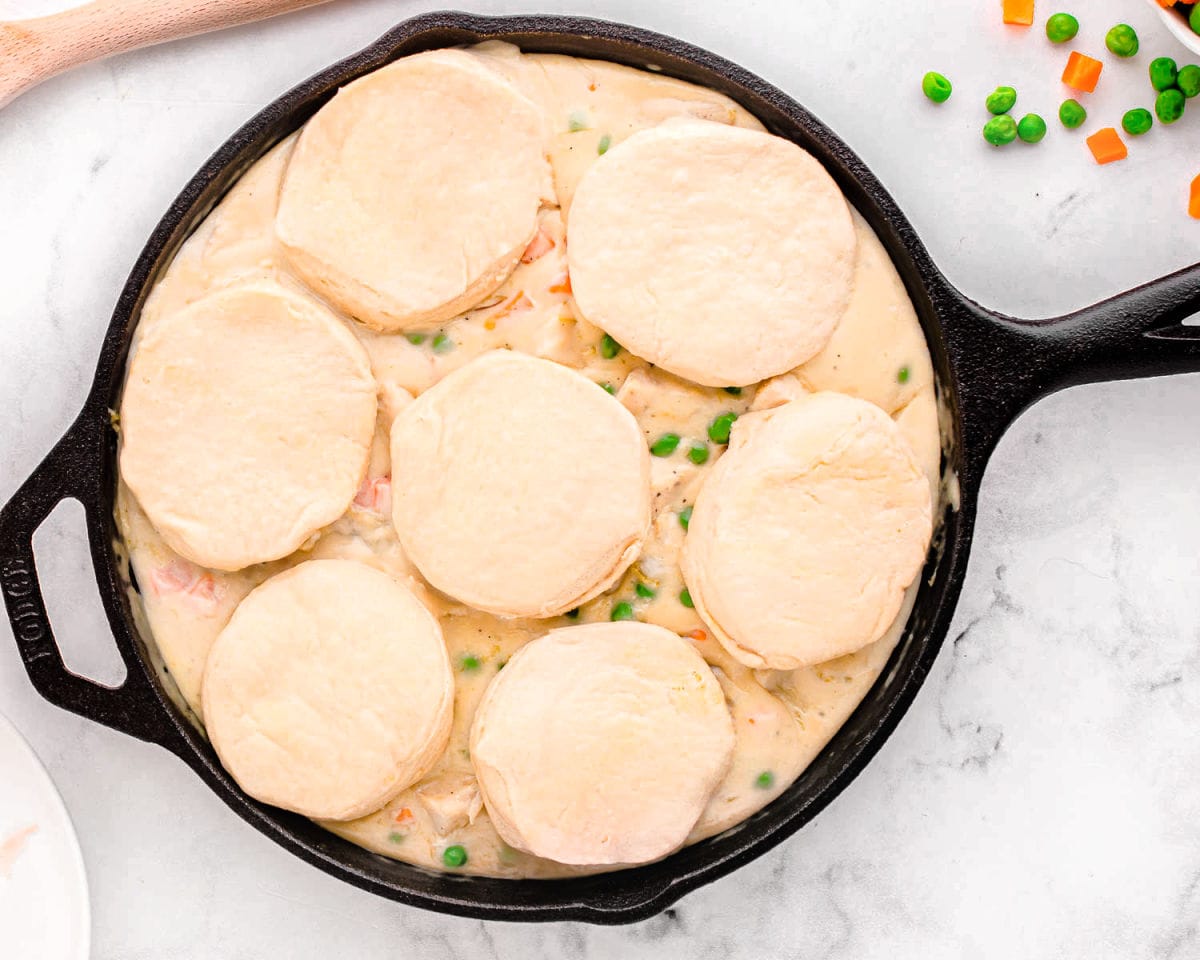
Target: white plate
1179 26
44 912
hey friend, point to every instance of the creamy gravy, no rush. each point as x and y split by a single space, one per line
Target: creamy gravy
782 719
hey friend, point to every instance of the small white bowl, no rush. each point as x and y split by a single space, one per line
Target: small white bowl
1179 26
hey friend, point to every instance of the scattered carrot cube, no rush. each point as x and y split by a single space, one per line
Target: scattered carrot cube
1106 145
1082 73
1167 4
1194 202
1019 12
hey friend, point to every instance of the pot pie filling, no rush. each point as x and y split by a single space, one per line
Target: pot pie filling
859 413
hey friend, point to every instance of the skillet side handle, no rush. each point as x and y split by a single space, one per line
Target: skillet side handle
65 473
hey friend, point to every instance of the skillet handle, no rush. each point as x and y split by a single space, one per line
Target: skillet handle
134 707
1008 364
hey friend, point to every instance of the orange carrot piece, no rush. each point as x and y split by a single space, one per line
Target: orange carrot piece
1166 3
1082 73
1018 12
1194 202
1106 146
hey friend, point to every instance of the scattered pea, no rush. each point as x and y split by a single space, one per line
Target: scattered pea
765 780
609 347
686 599
395 837
454 855
622 611
572 614
665 445
903 374
1061 27
645 591
718 430
604 144
469 663
1001 100
608 388
698 453
1189 81
1194 19
1136 122
1031 128
936 87
1163 73
442 343
1072 114
1122 40
1000 130
1169 105
416 339
577 121
733 391
685 516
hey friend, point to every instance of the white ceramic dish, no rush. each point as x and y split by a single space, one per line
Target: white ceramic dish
1178 26
44 909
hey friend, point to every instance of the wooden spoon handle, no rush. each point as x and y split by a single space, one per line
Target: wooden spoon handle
34 50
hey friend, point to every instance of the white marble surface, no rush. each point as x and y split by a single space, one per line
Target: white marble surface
1041 799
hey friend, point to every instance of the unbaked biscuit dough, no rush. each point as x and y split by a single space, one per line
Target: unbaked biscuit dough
601 744
518 487
411 195
245 424
329 691
723 255
808 532
781 719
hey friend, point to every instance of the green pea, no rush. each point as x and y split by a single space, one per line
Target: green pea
604 144
1031 128
1061 27
718 430
469 662
765 780
1194 19
645 591
698 453
577 121
442 343
1001 100
395 837
1122 40
936 87
665 445
1136 122
1189 81
733 391
609 347
1163 73
686 599
416 339
903 374
1072 114
573 614
1000 130
608 388
454 855
685 516
1169 105
622 611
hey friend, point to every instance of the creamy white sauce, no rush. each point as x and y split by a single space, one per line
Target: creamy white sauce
782 719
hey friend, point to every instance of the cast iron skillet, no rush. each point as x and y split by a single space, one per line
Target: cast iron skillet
988 367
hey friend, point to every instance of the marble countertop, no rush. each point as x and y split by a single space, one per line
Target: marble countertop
1040 799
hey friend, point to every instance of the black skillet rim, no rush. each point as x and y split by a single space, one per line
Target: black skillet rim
640 892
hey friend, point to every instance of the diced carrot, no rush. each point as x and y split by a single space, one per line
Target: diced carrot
562 284
1019 12
1106 145
1082 73
1194 201
404 815
1166 3
698 635
541 244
